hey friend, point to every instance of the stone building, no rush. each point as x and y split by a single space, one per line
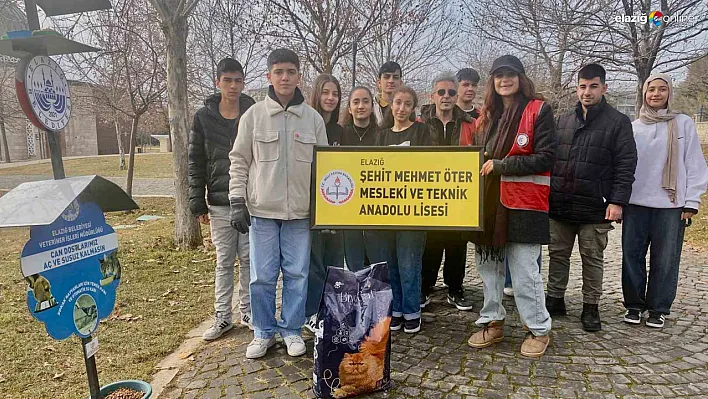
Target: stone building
85 135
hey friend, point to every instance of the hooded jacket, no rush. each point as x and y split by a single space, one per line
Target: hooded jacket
271 160
594 166
460 126
210 141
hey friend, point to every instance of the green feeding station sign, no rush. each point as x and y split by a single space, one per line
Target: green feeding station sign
70 262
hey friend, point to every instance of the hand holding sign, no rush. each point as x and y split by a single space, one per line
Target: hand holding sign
487 168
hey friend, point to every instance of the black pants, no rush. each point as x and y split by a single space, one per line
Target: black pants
661 230
326 250
455 248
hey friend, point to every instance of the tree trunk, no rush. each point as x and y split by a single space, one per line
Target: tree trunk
556 86
131 159
3 136
169 141
121 150
187 231
642 75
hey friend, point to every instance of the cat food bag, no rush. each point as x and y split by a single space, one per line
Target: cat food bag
352 338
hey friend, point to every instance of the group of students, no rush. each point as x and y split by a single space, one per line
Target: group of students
546 181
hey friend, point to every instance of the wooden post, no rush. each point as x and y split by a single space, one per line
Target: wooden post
55 154
91 371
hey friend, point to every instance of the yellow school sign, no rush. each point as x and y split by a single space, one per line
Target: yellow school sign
413 188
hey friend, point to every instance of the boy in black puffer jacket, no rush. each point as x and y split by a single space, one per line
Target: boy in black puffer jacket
591 182
211 139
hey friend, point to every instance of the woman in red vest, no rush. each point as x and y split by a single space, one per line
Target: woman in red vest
517 131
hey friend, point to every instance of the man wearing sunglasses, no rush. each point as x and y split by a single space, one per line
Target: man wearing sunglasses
449 126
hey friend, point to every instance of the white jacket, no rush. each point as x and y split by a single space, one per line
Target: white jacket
271 159
692 177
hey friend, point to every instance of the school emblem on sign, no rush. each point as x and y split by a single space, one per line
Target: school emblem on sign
337 187
43 92
522 140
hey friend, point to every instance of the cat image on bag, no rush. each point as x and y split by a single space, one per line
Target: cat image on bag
361 372
110 268
42 291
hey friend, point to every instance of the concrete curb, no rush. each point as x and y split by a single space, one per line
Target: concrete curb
169 367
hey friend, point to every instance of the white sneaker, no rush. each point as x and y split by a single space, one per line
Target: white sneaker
258 347
311 323
246 320
295 344
508 291
221 325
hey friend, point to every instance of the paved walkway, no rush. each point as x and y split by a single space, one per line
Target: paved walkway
621 361
8 165
157 187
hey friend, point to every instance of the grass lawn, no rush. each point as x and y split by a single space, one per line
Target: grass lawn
163 294
697 234
146 165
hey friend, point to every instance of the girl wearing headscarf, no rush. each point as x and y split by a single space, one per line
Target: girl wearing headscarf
670 178
517 131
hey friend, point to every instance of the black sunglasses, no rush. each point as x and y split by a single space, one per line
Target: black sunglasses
450 92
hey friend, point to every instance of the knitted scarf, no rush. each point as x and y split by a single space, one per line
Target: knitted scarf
492 241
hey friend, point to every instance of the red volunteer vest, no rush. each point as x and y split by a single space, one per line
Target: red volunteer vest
528 192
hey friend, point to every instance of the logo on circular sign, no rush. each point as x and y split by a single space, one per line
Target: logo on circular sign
337 187
72 211
522 140
44 93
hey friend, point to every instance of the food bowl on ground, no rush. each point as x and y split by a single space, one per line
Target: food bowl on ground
126 390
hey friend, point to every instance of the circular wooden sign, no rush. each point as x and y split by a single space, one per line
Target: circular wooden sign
43 92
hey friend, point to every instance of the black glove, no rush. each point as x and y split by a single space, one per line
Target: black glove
240 218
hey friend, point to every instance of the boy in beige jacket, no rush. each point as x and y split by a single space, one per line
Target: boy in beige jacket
270 191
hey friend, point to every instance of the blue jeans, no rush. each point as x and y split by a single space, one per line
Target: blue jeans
662 229
528 287
403 251
279 245
326 250
507 280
